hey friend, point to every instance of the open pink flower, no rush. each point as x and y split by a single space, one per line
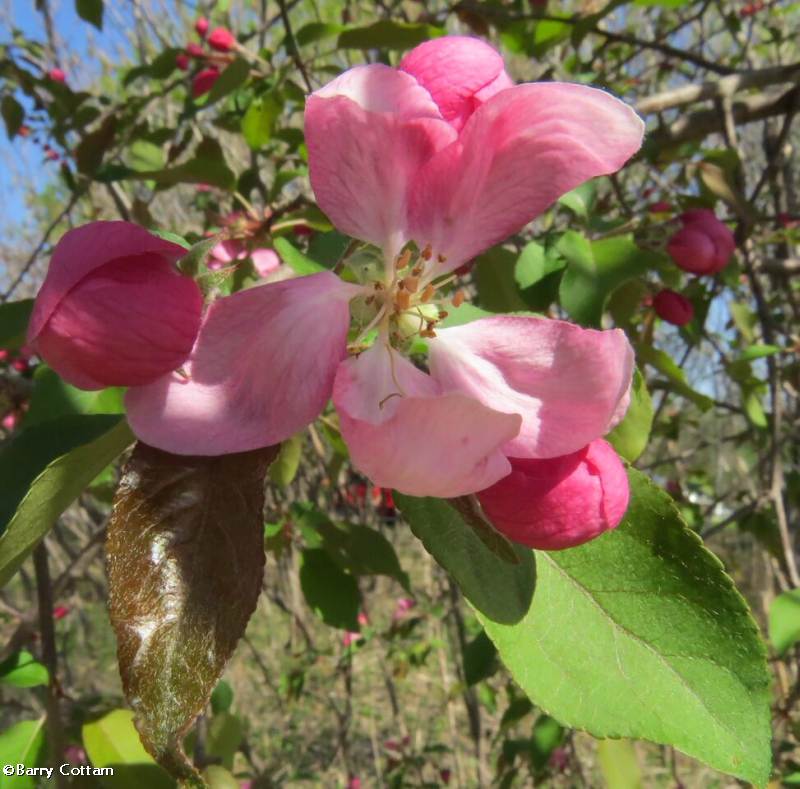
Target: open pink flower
266 261
703 245
560 502
114 310
431 163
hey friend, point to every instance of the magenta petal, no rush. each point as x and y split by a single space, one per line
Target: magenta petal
455 70
124 324
516 155
368 132
86 248
262 368
560 502
566 382
403 434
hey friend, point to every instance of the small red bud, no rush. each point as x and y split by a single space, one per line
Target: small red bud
201 26
182 61
195 51
661 207
57 75
673 307
222 39
204 81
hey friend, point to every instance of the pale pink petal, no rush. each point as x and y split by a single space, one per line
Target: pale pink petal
560 502
85 248
403 434
265 260
456 70
227 251
368 132
516 155
262 368
565 382
124 324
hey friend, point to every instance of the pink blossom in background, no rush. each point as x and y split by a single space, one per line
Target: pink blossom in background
266 261
203 81
222 39
57 75
74 754
661 207
60 611
354 783
113 309
10 421
673 307
402 608
4 354
201 26
362 619
351 637
559 502
703 245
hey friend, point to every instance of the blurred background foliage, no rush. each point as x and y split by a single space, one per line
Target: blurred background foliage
361 665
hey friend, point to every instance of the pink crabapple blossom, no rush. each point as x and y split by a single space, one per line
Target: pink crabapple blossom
113 309
672 307
703 245
429 164
266 261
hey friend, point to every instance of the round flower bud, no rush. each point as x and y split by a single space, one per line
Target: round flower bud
113 310
57 75
673 308
201 27
703 245
559 502
203 81
182 61
222 39
195 50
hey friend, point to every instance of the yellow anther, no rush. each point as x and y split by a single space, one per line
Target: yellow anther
417 270
428 293
459 298
427 252
403 260
402 300
443 314
410 284
441 258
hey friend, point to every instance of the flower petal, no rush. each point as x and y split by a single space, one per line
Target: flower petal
124 324
566 382
265 260
418 442
560 502
85 248
454 70
368 132
516 155
262 368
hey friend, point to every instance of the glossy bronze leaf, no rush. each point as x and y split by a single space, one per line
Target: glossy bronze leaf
185 563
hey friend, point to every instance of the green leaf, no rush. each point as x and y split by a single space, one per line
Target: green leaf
57 461
225 735
22 670
533 265
495 278
112 741
386 34
316 31
90 11
284 469
476 569
784 621
330 592
219 778
92 148
53 398
232 78
666 365
595 270
618 764
145 156
630 436
207 165
294 258
641 634
23 743
480 659
13 114
221 697
580 200
258 122
185 560
758 352
14 317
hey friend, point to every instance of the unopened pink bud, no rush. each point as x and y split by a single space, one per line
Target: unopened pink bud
74 754
60 611
222 39
3 354
673 307
661 207
559 502
195 51
10 421
703 245
57 75
182 61
204 81
114 310
201 27
362 619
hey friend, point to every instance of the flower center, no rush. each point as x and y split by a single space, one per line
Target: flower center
409 302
